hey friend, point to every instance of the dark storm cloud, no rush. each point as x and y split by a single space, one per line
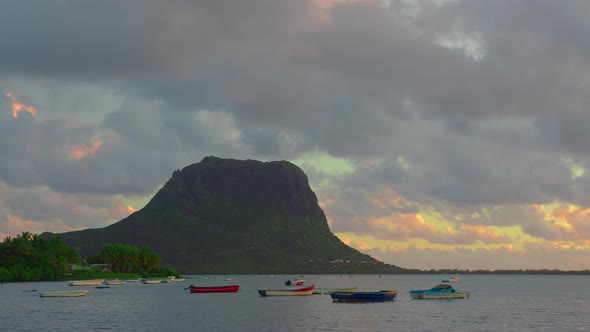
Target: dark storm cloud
81 39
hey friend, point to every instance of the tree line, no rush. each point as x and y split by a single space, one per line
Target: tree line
30 257
128 259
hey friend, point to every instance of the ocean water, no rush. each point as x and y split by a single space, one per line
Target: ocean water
497 303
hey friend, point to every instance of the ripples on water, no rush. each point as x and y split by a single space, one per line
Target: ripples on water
497 303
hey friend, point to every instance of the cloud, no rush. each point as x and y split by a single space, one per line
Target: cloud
532 256
456 120
57 212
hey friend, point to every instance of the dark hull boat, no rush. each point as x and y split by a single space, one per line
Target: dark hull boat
360 297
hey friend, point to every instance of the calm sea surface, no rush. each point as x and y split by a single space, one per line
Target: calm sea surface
497 303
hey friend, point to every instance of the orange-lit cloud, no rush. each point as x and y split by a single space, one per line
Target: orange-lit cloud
529 255
18 107
13 225
576 220
83 150
404 227
122 211
19 223
391 198
362 246
484 233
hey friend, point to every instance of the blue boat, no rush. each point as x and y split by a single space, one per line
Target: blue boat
439 292
380 296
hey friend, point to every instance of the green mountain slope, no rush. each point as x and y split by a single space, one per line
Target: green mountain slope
233 216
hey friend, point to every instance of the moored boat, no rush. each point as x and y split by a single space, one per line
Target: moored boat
151 281
334 290
439 292
214 289
452 279
178 279
362 297
115 282
95 282
287 291
76 293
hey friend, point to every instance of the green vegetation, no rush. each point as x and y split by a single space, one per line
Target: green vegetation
125 258
29 257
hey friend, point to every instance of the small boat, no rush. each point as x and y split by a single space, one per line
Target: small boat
287 291
334 290
76 293
214 289
178 279
151 281
227 279
115 282
95 282
363 297
439 292
453 279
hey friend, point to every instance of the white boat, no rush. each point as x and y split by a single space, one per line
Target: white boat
95 282
75 293
115 282
151 281
178 279
287 291
452 279
439 292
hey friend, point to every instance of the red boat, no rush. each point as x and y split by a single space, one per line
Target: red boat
214 289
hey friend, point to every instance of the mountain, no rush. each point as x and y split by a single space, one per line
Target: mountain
234 216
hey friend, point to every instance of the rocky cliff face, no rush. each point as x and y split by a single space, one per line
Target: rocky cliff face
278 183
234 216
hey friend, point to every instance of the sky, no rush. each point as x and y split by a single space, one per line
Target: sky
435 134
